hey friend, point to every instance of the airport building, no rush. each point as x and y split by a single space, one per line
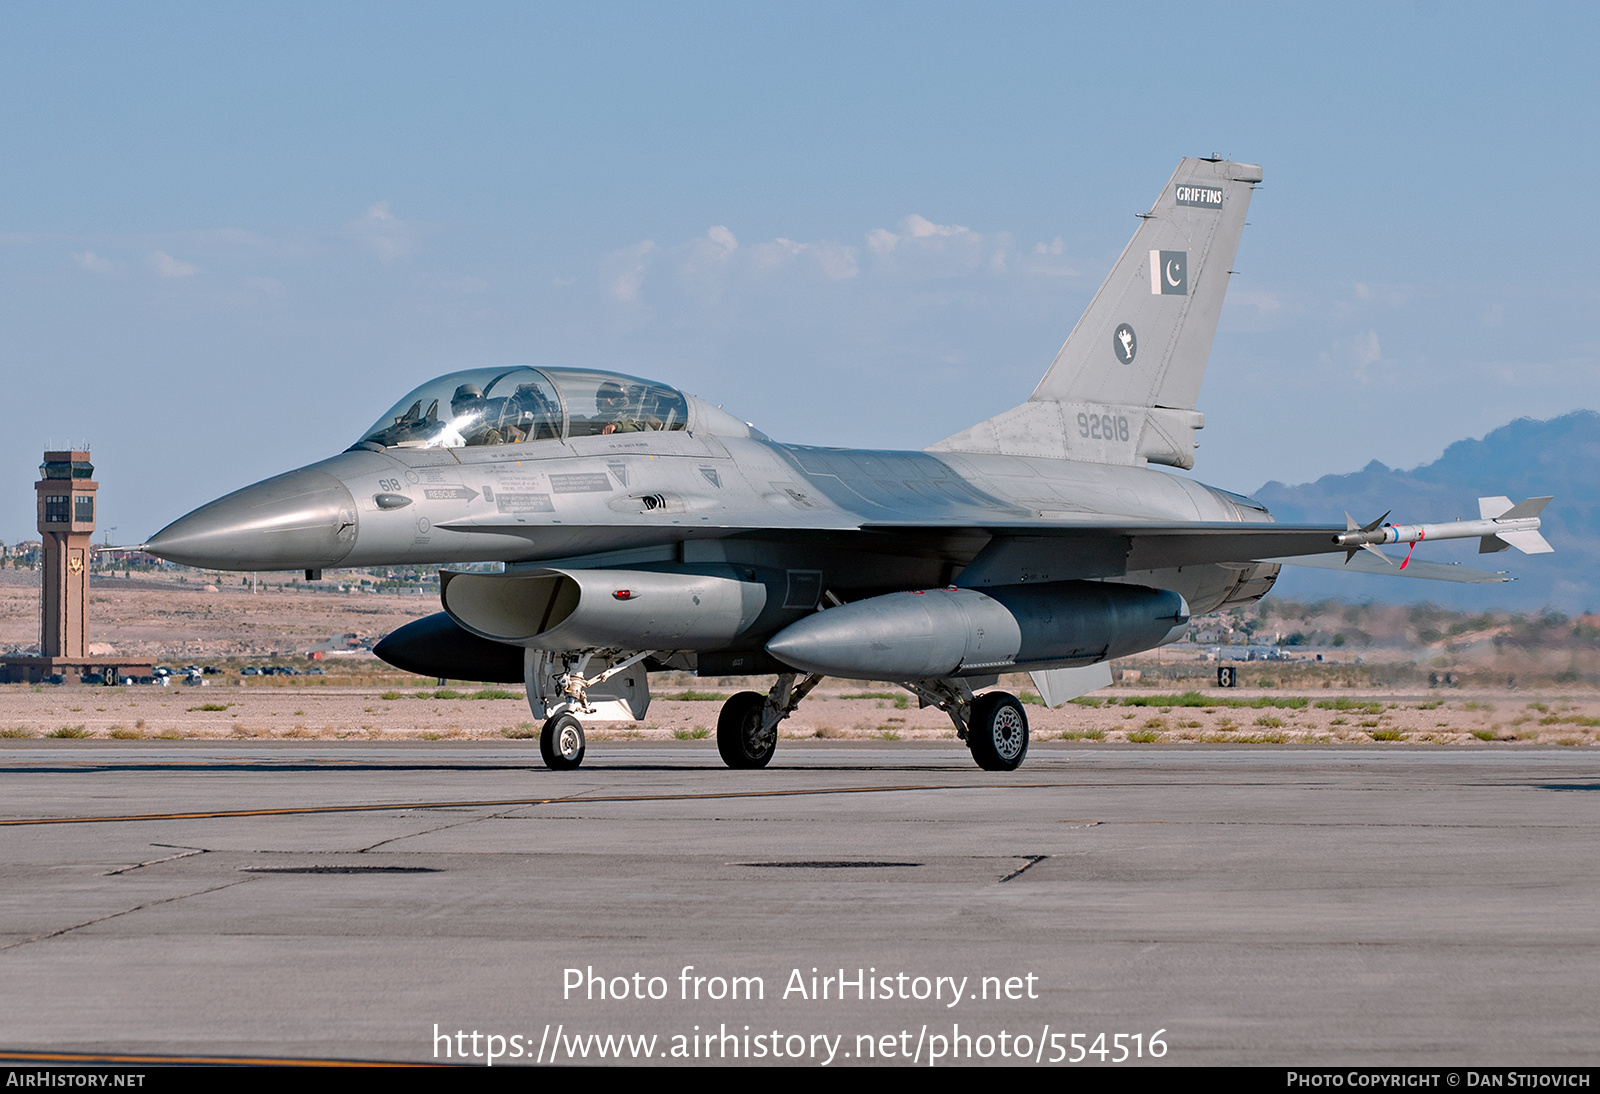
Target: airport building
66 496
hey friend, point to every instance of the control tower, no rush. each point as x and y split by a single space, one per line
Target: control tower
66 502
66 489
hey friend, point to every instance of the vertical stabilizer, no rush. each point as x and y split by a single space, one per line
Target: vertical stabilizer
1124 387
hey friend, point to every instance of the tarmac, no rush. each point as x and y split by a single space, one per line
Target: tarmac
855 902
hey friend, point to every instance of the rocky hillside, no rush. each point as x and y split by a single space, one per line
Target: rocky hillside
1526 458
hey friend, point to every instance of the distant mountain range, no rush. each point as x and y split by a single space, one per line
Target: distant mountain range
1527 458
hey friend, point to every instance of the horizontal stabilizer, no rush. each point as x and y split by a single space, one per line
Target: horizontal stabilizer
1390 567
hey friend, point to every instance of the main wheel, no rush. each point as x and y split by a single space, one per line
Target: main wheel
561 743
997 732
740 739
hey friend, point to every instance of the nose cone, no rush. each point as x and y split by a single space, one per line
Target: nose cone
305 520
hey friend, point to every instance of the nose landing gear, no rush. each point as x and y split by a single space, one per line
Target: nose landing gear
561 743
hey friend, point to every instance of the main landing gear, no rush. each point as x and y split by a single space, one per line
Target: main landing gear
994 725
747 728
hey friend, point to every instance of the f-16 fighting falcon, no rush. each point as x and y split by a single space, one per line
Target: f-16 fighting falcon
643 529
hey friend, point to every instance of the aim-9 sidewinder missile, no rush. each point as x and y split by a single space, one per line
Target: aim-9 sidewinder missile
1500 525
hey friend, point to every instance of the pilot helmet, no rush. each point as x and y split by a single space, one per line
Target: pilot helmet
466 396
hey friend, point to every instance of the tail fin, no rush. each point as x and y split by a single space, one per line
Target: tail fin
1123 388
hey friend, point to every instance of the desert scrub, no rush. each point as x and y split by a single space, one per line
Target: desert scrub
1084 735
1145 736
1386 735
210 706
16 731
70 732
1270 722
519 732
695 734
1195 699
692 696
1350 704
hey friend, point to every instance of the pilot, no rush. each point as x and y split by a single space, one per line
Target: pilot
612 403
468 416
536 417
620 412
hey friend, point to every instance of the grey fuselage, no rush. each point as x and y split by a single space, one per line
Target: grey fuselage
719 500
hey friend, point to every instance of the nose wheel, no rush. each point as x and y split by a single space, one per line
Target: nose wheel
561 743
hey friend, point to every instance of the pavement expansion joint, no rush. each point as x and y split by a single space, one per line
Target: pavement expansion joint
117 915
1033 860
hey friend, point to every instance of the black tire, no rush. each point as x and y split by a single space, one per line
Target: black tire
997 732
561 743
739 732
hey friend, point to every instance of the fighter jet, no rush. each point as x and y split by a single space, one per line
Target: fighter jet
642 529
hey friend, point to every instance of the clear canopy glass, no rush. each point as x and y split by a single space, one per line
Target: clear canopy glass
522 405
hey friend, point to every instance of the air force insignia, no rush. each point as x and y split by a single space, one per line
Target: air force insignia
1124 342
1169 273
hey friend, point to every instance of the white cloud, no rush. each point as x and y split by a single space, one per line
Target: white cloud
919 227
625 270
882 241
922 250
167 266
1368 351
92 262
836 261
383 233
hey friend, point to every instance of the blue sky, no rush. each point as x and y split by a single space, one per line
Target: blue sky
230 236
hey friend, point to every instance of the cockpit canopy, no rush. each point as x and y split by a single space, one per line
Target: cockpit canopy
515 405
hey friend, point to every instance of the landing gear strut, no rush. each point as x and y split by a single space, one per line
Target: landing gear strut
747 728
561 687
993 724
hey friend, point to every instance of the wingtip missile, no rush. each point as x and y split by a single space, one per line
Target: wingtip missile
1514 525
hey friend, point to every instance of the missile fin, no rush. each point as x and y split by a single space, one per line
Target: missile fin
1529 543
1530 507
1490 508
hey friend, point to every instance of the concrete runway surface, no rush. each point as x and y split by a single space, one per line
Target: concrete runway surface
1312 906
